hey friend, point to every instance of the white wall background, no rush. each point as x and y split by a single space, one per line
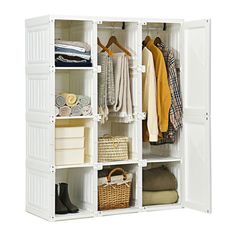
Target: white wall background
14 221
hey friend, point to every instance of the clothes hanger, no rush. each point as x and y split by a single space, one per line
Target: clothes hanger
114 40
104 49
157 40
146 40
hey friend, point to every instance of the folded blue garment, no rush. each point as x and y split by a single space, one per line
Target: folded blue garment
73 64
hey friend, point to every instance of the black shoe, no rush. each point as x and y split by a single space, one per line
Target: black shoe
59 207
65 199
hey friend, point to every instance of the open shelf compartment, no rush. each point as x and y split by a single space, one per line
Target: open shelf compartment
78 82
81 190
175 169
76 30
135 191
89 139
129 130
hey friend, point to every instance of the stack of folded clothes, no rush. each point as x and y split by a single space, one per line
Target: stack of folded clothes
159 186
72 54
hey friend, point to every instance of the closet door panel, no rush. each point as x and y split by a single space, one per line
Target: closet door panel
196 122
40 117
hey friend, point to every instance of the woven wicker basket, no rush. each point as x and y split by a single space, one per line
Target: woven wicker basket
112 148
114 192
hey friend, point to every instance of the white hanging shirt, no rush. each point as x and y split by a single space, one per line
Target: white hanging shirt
149 97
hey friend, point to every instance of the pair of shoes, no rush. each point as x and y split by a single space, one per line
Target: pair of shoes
63 204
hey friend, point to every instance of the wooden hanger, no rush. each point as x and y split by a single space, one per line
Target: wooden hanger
104 49
146 40
114 40
157 41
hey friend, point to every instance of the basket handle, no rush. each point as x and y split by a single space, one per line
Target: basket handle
115 170
114 143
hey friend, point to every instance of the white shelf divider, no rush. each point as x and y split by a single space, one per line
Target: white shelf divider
119 211
112 163
74 68
73 117
74 166
150 158
81 214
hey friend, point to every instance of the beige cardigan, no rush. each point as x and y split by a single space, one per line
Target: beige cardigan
150 125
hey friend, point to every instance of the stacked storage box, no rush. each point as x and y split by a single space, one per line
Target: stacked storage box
69 145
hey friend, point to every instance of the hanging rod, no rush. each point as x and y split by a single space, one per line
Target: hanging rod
110 27
152 28
120 28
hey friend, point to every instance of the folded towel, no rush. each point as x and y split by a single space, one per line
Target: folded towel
158 179
76 110
56 111
159 197
87 110
60 101
64 111
71 99
74 43
83 100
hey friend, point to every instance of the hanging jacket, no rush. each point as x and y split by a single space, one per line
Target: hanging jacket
163 90
176 109
150 125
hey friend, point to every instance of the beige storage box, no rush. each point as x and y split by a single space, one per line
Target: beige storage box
70 132
69 145
69 157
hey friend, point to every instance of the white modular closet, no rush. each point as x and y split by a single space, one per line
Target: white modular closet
188 158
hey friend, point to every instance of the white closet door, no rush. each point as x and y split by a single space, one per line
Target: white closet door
196 122
40 112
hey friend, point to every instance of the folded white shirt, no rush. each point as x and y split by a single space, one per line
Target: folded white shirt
74 43
70 47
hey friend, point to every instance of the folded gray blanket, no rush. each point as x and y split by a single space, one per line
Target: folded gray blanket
86 110
60 101
76 110
83 100
158 179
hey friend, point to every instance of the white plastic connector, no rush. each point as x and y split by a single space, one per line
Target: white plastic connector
140 115
97 69
52 119
97 117
98 166
142 163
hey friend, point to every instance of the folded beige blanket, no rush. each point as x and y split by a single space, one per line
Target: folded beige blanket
158 179
64 111
159 197
70 98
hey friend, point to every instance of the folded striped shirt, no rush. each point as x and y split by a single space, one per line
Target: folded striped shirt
72 52
63 59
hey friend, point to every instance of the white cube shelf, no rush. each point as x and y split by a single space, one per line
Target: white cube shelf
189 158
